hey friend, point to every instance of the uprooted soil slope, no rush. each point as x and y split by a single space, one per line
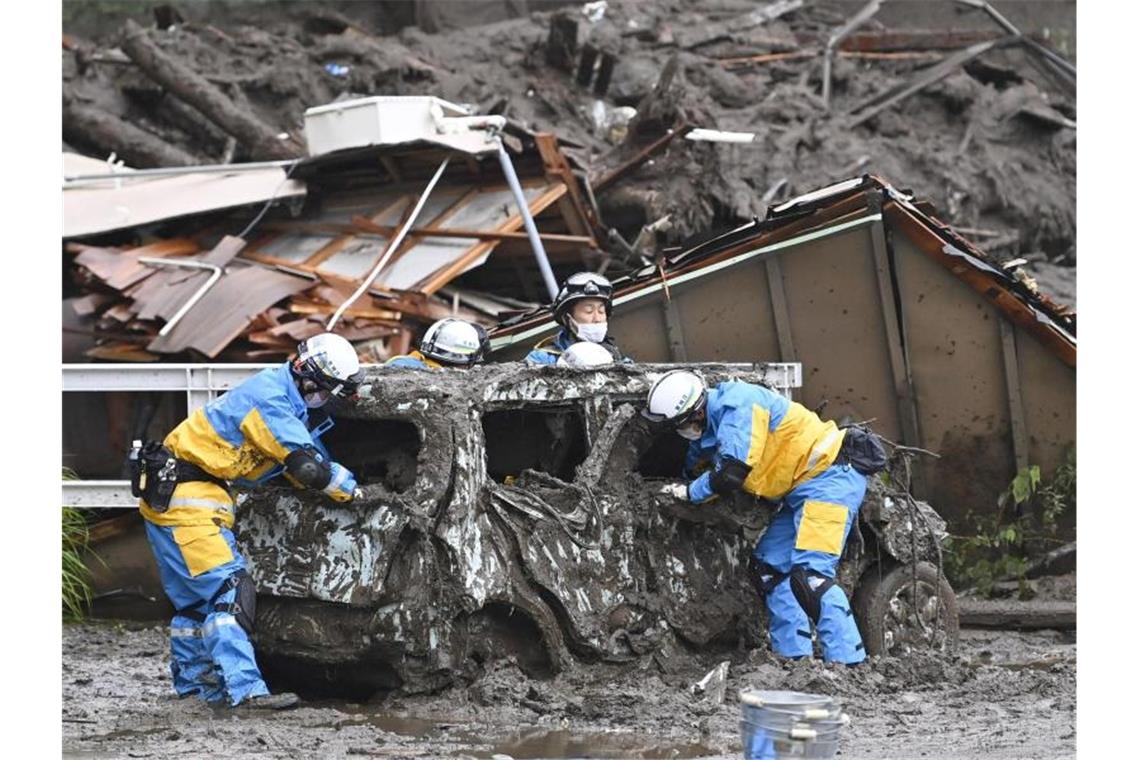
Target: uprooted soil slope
969 143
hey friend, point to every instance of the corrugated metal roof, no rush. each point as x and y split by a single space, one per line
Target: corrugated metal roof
227 310
95 207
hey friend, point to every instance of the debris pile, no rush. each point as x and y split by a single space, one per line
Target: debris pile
787 96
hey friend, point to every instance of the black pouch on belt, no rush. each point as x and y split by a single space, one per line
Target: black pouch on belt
158 475
863 451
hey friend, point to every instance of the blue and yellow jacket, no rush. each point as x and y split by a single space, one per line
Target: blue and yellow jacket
241 436
415 359
547 350
782 442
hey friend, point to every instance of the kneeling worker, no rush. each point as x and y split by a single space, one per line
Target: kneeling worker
189 513
447 343
779 450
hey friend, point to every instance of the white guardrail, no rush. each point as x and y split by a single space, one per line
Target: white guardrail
202 383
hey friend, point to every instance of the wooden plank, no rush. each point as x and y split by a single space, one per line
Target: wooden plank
1025 616
780 309
573 207
900 373
326 252
446 274
1013 389
892 40
365 225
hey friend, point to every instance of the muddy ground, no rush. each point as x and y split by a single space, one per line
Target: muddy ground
1003 695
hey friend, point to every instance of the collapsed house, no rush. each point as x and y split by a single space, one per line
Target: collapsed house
897 319
166 249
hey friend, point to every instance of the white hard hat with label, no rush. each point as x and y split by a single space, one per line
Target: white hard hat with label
675 397
331 362
584 355
455 341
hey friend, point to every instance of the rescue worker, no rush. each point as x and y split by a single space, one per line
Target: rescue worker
582 307
447 343
756 440
189 513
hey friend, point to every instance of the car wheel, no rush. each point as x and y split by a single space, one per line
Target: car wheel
893 622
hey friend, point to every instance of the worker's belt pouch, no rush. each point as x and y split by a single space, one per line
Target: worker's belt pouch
154 475
863 450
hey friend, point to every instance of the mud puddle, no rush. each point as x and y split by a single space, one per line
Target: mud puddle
522 743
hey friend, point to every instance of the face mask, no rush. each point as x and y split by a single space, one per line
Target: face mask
316 399
593 332
691 432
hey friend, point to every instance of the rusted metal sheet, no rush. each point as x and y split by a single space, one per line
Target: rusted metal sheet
892 328
1013 391
1048 395
833 302
968 265
780 309
955 353
228 309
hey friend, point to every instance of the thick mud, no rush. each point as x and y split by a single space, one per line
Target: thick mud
1003 695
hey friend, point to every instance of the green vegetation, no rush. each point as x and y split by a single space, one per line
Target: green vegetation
76 576
1023 527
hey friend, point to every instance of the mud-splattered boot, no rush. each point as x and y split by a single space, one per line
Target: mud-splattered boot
282 701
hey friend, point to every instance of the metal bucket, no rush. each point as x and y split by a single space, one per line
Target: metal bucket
760 744
786 724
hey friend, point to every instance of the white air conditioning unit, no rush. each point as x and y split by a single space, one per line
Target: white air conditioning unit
394 120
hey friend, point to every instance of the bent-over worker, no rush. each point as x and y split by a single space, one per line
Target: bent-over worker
243 436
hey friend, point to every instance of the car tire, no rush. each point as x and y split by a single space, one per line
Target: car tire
884 610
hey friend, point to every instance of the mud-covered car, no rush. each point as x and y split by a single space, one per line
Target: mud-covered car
513 511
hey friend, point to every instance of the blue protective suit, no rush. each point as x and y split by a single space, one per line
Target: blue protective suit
789 454
242 436
547 350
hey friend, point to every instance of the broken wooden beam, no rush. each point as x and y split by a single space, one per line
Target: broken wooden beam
365 224
924 79
185 83
1019 615
896 40
94 126
639 158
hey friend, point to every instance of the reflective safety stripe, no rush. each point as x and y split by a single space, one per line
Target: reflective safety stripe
202 503
217 621
334 484
185 633
821 449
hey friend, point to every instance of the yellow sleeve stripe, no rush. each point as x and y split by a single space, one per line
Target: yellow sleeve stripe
760 419
258 433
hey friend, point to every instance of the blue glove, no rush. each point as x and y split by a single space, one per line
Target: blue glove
342 485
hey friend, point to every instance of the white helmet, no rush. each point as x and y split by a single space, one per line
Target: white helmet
585 355
455 341
675 397
331 362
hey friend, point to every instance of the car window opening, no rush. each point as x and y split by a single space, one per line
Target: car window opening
377 451
664 456
551 440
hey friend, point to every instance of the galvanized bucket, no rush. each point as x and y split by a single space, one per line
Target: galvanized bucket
785 724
